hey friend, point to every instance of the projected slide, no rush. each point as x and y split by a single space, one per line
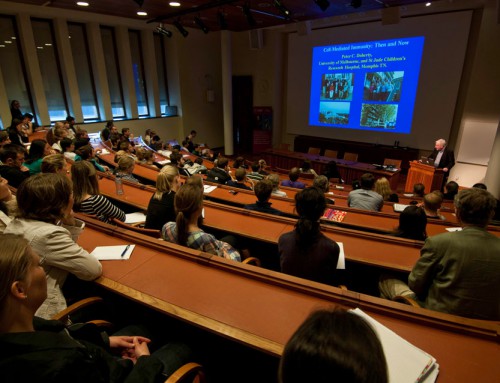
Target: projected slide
369 86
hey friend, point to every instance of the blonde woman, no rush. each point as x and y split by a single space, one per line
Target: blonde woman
383 187
161 206
125 169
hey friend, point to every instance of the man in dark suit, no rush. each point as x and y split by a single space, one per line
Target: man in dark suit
442 156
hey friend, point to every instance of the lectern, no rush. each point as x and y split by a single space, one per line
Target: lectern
428 175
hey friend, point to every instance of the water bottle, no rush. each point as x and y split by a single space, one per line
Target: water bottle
119 185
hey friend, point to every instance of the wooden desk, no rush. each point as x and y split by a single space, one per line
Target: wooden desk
261 309
349 170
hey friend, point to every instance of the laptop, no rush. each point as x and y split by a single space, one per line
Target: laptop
427 160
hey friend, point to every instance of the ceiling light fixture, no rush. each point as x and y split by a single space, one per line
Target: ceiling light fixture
174 4
248 14
428 4
201 24
284 10
180 28
162 31
323 4
82 3
140 12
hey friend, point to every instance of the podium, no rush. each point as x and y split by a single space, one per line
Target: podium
428 175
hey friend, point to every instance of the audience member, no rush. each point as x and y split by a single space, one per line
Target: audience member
383 187
71 125
161 205
480 185
239 162
263 190
106 132
241 177
412 224
458 272
86 194
307 169
145 156
432 204
125 169
45 219
38 150
365 198
87 153
333 345
321 183
4 138
275 181
59 133
13 170
34 349
219 173
54 163
177 160
293 174
332 172
190 140
255 174
68 149
185 231
450 190
196 167
262 167
18 133
305 252
15 111
419 190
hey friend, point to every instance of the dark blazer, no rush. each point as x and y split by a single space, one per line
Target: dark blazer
447 159
218 175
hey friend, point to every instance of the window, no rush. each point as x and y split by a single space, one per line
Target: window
161 69
138 68
50 69
13 69
113 72
81 59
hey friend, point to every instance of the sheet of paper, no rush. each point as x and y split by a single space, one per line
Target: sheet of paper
138 216
341 261
399 207
208 188
453 228
108 253
406 363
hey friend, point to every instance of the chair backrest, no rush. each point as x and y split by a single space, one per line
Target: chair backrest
314 150
331 153
350 156
188 373
393 162
149 232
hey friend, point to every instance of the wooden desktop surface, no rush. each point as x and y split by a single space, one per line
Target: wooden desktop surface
261 308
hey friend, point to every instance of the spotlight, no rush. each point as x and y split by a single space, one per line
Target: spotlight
162 31
201 24
323 4
278 4
248 14
356 3
222 20
181 29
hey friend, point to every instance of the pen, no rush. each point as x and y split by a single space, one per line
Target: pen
125 251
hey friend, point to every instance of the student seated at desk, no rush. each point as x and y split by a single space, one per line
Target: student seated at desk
293 174
305 252
55 163
87 153
365 198
176 159
432 204
46 220
125 169
263 190
184 231
337 346
161 206
36 350
241 176
38 150
458 272
275 180
383 187
412 224
219 173
255 174
87 197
